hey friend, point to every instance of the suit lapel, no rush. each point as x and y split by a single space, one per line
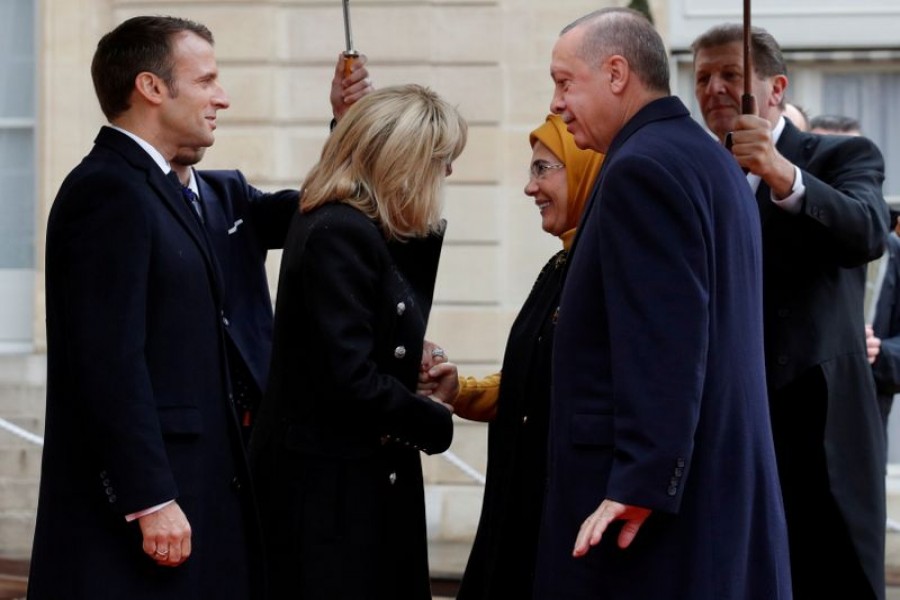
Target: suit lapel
218 223
170 197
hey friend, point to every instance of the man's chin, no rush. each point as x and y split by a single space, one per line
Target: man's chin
189 156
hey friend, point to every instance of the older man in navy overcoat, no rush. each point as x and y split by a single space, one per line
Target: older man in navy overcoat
662 476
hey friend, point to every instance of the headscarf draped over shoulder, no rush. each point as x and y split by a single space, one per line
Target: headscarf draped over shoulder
582 166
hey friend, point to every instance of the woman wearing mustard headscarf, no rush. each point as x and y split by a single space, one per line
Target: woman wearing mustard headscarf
502 560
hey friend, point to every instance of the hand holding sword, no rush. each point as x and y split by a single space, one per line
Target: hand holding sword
748 102
351 78
350 54
751 142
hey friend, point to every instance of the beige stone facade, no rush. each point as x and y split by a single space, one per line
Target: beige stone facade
276 59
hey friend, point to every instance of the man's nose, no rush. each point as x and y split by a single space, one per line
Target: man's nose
221 99
716 85
557 104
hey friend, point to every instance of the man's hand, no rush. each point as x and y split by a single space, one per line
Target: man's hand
347 90
594 526
167 535
873 344
754 149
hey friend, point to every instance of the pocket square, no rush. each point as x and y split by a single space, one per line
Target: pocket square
234 227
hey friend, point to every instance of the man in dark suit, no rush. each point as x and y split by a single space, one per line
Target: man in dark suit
143 464
662 476
243 223
823 218
884 333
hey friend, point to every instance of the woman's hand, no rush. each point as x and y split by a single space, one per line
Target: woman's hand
446 383
432 355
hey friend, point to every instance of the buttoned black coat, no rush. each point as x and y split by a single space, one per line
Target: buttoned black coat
335 453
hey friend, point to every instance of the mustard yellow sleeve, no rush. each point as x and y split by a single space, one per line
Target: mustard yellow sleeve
477 398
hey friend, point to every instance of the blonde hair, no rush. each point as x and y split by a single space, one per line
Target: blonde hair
388 158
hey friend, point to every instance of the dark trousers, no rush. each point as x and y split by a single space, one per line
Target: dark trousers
822 552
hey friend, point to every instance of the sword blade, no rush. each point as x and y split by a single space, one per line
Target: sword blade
348 33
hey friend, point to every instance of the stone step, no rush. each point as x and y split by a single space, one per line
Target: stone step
23 368
469 445
29 424
21 461
22 399
453 492
18 494
16 532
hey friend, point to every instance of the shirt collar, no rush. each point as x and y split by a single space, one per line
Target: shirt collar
778 130
192 182
155 154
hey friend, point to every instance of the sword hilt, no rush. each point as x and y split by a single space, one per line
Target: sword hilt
350 57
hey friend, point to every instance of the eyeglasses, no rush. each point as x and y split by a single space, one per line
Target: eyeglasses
540 168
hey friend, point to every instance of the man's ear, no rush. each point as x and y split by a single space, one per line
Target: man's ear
779 88
619 73
150 87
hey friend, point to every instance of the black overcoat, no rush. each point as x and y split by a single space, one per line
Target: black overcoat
336 448
138 408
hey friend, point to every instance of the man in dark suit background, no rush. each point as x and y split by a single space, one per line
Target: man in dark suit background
823 218
243 223
883 336
660 445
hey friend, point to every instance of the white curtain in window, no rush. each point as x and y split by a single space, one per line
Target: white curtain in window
870 97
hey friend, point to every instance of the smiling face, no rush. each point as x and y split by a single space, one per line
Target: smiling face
189 110
550 190
579 96
719 85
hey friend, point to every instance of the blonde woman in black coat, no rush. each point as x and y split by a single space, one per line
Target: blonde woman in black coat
336 450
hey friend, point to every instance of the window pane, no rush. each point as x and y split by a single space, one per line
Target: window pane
17 199
17 59
870 97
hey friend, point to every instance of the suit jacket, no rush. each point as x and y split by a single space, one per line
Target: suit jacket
659 397
814 283
886 326
137 396
335 452
243 223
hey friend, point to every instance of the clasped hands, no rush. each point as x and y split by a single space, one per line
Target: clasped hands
438 377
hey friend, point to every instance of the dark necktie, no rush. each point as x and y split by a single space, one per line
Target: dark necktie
193 200
189 196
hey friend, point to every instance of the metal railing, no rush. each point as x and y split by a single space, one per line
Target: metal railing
22 433
449 456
